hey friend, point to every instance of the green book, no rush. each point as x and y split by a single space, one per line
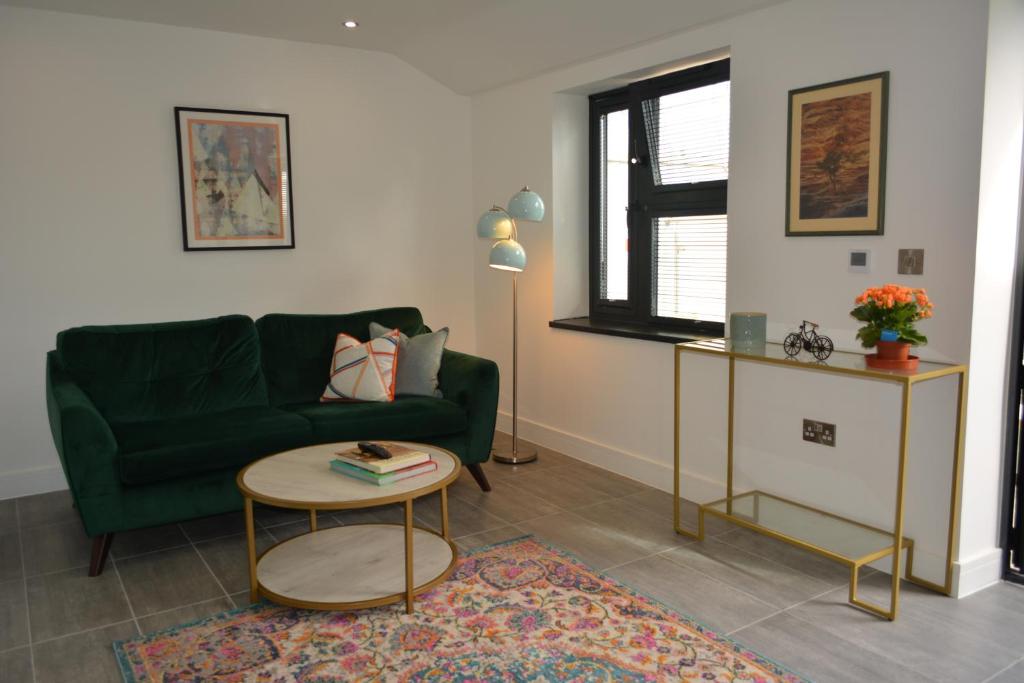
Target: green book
382 479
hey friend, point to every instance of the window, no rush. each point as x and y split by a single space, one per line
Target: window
658 181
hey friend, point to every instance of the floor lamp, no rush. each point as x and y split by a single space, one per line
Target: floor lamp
507 254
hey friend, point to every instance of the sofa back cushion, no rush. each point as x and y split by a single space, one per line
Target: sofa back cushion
165 370
297 348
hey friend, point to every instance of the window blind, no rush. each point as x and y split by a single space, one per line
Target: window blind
602 206
688 135
688 273
614 232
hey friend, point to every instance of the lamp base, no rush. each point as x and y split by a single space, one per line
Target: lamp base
513 456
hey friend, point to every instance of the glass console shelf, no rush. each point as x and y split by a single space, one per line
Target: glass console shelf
838 538
844 540
840 361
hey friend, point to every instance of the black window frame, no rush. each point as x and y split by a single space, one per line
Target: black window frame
648 201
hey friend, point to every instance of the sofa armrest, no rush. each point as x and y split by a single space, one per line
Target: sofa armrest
84 441
472 383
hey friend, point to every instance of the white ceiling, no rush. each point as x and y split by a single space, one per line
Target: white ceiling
468 45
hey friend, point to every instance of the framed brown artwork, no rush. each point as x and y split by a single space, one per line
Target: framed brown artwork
835 170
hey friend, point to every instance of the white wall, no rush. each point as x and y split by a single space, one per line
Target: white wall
998 221
89 189
611 400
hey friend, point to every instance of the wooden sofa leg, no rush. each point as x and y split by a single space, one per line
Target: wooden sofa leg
479 476
100 550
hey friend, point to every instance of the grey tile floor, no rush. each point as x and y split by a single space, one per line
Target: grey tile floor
56 624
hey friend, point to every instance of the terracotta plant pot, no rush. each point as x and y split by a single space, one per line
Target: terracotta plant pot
892 356
893 350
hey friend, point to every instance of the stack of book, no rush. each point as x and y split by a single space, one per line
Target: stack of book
404 462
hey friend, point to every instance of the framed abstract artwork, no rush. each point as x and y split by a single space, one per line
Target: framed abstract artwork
835 182
235 173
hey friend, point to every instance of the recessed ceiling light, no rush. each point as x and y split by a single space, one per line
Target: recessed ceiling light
351 24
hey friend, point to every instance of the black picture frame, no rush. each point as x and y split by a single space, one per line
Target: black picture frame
873 222
240 199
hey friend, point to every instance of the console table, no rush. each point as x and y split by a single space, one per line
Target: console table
838 538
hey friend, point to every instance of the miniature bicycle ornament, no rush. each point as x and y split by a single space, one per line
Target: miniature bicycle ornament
819 345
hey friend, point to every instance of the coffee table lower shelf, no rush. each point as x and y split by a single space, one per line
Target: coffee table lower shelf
352 567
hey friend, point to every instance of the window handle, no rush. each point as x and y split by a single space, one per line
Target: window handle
637 159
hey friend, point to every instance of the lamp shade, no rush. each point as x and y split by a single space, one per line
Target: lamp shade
494 224
508 255
526 205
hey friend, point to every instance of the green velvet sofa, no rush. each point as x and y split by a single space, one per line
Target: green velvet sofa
153 422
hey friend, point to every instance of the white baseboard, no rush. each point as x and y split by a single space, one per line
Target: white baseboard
630 465
30 481
978 572
969 576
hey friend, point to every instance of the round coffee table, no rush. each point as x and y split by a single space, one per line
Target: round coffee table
351 566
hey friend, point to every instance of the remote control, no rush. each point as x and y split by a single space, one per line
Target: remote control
374 449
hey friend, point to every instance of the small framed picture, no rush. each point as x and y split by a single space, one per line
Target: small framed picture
835 182
236 182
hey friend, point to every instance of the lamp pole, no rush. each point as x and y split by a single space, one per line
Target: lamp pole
516 456
515 365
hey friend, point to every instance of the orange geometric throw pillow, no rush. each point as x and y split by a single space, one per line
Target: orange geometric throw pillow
363 372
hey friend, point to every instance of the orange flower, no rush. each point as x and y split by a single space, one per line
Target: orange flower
890 295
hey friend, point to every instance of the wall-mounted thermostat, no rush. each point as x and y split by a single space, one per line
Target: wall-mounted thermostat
860 261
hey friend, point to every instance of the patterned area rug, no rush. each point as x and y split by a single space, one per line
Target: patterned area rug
515 611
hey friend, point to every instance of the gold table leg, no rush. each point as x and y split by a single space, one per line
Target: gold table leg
953 529
863 604
409 585
897 556
312 520
444 512
676 484
732 412
250 535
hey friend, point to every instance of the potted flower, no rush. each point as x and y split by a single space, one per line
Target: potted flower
889 314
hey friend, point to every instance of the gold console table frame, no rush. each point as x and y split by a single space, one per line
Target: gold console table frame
752 509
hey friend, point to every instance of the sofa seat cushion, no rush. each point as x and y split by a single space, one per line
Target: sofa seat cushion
406 418
157 450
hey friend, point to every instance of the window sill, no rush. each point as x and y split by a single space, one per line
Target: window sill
628 330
